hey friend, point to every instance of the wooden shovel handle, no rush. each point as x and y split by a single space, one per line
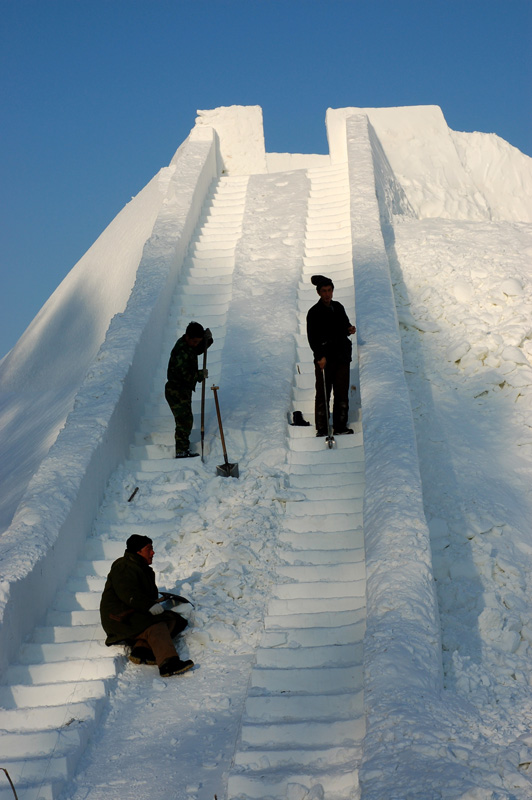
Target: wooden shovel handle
215 389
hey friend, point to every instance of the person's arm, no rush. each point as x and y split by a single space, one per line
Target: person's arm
129 588
314 335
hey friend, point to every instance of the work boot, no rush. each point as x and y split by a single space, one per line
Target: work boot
142 655
185 454
174 666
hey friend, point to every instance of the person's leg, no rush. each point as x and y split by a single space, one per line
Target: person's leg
340 381
157 638
181 406
321 403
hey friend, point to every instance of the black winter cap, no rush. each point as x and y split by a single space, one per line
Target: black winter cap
137 542
321 280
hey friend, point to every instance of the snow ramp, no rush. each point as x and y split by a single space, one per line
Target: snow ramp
288 696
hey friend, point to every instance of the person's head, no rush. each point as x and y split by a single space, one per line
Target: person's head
194 334
324 287
141 545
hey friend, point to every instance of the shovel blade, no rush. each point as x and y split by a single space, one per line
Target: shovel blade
227 470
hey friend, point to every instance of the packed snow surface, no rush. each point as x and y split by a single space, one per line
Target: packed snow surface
462 279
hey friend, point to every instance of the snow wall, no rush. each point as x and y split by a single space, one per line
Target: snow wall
45 368
402 647
57 511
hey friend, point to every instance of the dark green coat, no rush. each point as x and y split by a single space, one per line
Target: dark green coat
130 591
182 373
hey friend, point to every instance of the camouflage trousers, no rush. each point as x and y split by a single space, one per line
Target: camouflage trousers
180 402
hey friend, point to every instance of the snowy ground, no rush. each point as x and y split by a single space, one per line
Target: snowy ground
464 299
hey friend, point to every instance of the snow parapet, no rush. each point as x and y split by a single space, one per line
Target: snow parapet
240 134
402 648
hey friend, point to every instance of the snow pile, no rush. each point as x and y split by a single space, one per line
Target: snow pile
464 300
445 174
240 136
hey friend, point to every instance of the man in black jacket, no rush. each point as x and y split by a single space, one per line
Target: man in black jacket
328 329
130 610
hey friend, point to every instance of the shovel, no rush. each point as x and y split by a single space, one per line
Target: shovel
226 470
203 400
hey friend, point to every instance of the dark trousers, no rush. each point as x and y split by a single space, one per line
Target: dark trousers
180 402
158 638
337 380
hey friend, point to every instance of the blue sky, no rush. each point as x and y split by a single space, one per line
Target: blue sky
96 96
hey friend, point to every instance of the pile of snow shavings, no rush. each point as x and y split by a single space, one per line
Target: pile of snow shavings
214 548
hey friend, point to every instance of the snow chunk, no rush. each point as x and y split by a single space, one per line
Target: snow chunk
463 291
514 354
512 287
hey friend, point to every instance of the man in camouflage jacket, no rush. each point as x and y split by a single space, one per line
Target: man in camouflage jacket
182 375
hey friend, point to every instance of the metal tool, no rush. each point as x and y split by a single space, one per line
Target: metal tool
226 470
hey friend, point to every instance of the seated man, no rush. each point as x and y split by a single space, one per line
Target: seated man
131 614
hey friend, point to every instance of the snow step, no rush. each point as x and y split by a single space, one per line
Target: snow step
323 455
317 758
344 540
310 605
279 708
313 444
341 732
333 590
32 652
41 743
40 789
332 523
32 719
55 694
316 619
81 633
309 657
313 637
337 784
328 557
349 491
75 670
323 572
324 468
326 479
301 508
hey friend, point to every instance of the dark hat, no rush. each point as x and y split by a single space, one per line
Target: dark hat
195 330
137 542
321 280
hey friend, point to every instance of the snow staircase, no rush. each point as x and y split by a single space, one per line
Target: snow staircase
204 296
304 714
55 693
